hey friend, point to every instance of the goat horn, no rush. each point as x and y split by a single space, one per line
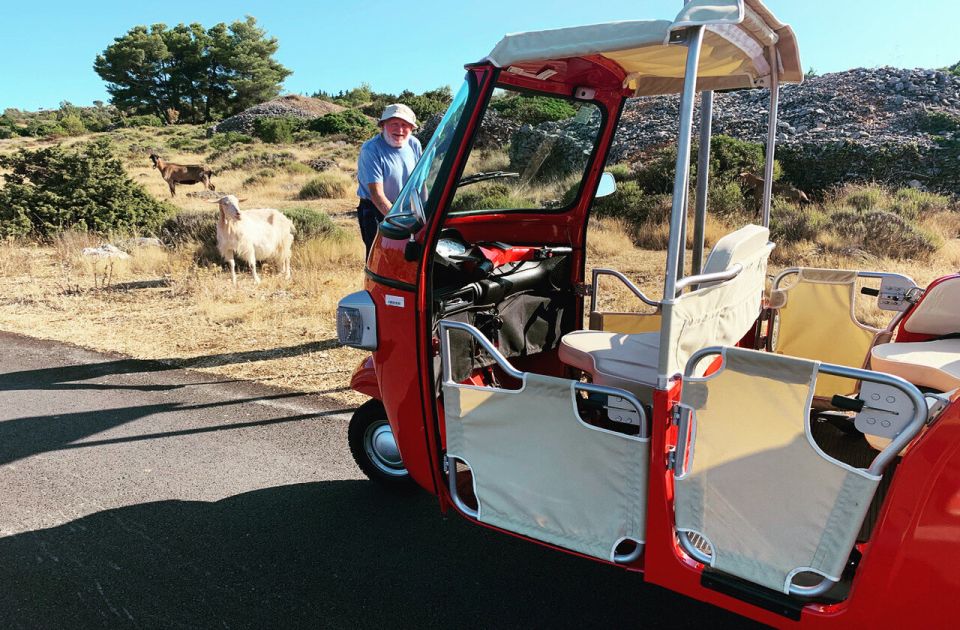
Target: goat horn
242 200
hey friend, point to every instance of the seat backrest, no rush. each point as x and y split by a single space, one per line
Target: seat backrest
718 313
736 246
816 320
938 313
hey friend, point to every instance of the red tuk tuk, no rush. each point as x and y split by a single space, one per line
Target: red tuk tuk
765 452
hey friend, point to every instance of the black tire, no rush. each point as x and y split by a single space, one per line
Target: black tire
371 447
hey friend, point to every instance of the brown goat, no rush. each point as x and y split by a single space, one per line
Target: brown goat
754 184
175 174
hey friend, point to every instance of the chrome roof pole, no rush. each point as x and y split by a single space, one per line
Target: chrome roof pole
681 180
703 180
774 60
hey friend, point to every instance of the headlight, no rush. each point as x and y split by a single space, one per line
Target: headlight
357 321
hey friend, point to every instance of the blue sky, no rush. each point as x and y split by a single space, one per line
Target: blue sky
47 48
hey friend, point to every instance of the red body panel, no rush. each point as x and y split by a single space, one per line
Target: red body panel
908 571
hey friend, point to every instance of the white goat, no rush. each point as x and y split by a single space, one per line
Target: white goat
253 235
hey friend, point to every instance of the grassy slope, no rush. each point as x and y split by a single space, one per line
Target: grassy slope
162 305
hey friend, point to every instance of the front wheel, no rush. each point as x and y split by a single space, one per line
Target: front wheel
374 447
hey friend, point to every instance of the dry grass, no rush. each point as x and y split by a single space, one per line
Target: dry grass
161 304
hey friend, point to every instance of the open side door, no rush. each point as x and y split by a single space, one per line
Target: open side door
756 496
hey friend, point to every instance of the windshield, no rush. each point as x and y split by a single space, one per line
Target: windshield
416 191
530 152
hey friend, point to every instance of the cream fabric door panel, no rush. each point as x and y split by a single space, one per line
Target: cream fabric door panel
540 471
757 486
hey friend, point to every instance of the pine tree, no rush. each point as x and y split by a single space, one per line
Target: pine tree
189 73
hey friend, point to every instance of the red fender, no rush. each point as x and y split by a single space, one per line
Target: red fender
364 379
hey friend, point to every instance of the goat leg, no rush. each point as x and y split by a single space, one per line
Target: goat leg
233 270
252 261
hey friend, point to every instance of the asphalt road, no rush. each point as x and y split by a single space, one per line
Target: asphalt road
133 495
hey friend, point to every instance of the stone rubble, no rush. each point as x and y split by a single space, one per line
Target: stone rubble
870 107
293 106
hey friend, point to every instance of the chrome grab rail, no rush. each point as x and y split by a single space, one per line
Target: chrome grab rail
876 468
595 287
717 276
446 327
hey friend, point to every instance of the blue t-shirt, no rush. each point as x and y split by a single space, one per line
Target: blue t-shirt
380 162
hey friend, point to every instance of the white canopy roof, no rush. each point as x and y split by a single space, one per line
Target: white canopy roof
734 54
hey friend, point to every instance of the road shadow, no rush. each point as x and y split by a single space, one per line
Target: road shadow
23 437
73 376
339 554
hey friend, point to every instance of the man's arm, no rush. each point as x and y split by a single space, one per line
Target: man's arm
378 198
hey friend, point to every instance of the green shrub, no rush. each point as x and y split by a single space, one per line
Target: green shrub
533 110
259 159
311 223
326 186
260 177
937 122
227 139
298 168
884 234
276 130
626 203
185 227
790 223
45 128
72 125
145 120
866 197
349 122
725 199
656 173
85 187
489 196
729 157
914 204
620 172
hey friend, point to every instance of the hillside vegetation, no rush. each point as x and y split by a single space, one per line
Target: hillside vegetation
62 192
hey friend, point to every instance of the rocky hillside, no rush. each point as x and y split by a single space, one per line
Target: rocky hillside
293 105
883 124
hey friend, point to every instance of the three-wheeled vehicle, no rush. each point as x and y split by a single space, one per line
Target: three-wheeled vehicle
756 447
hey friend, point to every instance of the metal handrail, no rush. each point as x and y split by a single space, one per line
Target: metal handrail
446 326
717 276
595 287
861 274
876 467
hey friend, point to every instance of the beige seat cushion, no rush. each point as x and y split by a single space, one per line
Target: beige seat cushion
933 364
611 357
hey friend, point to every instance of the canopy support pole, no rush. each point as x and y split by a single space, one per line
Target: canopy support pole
771 133
678 213
682 177
703 180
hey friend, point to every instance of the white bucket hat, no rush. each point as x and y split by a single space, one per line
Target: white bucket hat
401 111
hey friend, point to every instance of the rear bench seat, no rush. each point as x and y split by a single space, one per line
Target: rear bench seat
718 313
934 364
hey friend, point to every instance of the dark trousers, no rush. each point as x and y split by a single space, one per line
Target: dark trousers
369 218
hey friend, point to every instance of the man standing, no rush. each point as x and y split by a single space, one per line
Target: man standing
386 162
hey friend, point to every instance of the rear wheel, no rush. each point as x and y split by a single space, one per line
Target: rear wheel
374 447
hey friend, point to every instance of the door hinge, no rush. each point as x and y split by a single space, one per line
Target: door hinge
583 289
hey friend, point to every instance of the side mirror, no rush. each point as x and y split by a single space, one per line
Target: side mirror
607 186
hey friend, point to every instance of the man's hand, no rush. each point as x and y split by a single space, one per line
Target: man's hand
378 198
